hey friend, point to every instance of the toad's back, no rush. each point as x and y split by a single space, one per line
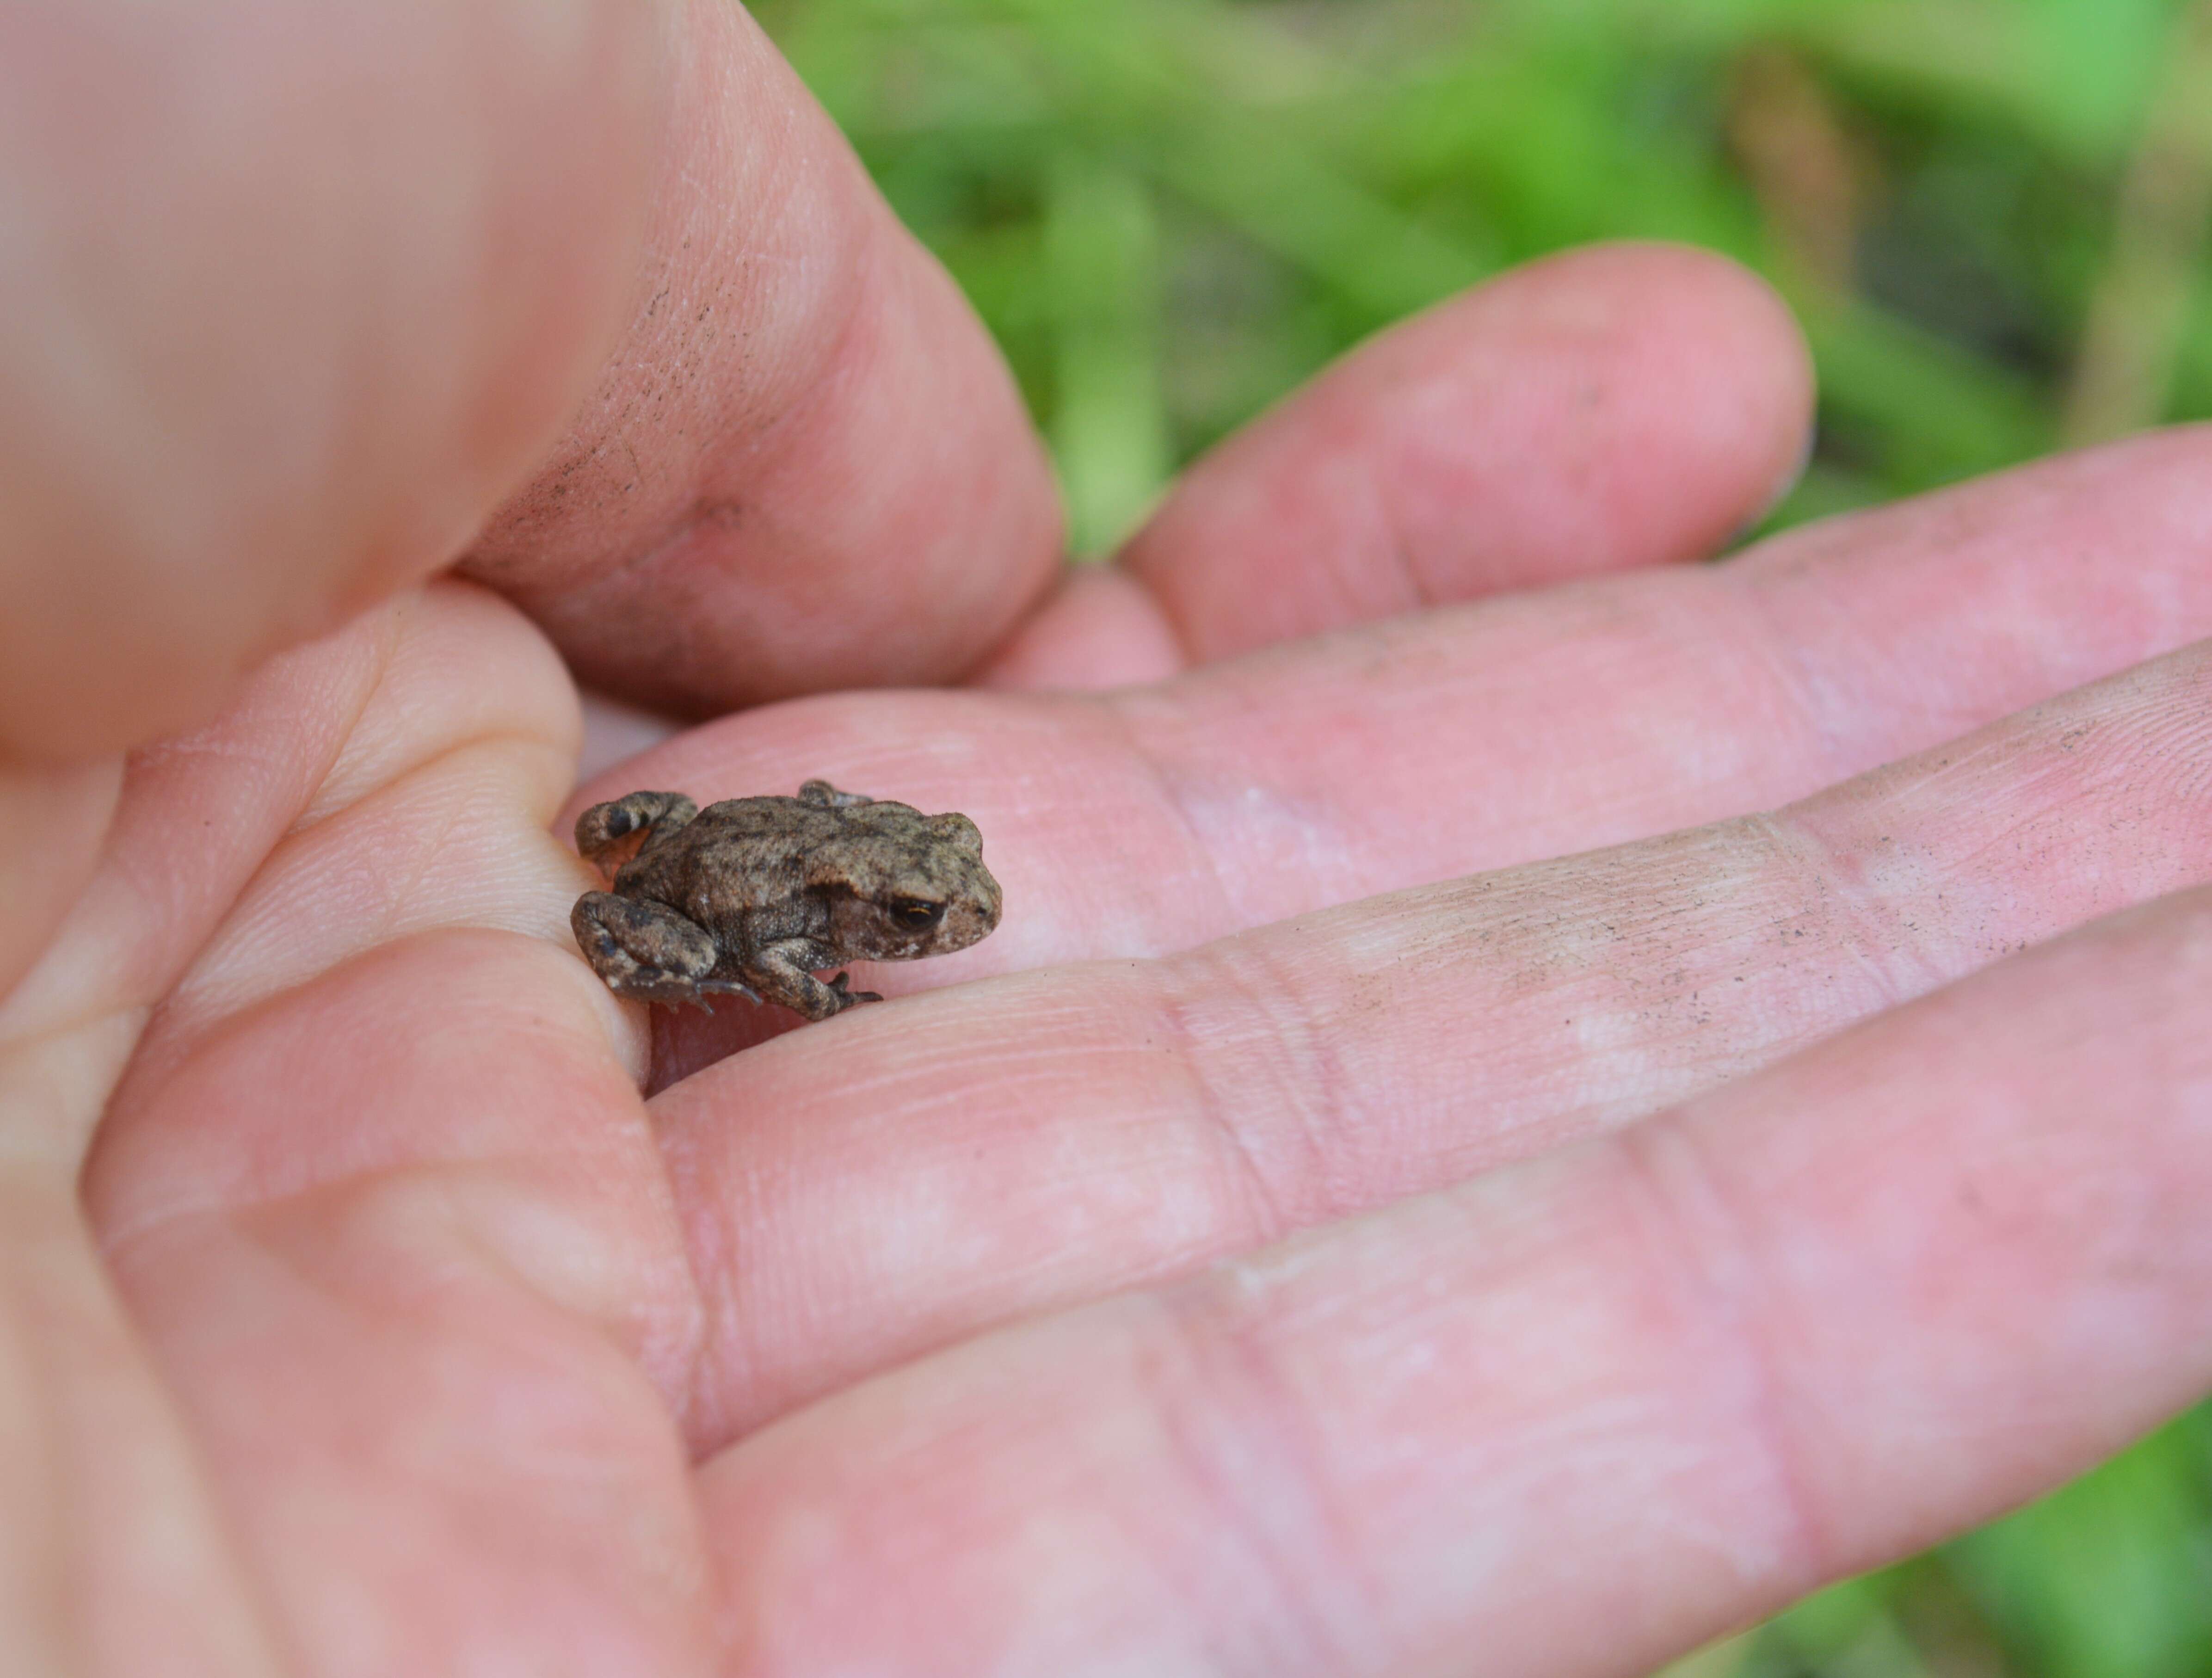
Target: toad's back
738 855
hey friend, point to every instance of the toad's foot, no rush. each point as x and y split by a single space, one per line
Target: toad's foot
724 987
784 973
823 796
846 998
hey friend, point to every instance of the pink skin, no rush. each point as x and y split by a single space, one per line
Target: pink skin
1420 1127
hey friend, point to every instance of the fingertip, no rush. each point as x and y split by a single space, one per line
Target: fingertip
1615 406
1100 629
1721 355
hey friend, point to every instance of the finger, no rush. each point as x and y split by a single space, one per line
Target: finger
1623 406
1482 736
51 821
1808 1325
379 1192
114 1557
926 1172
806 466
419 1315
614 733
192 819
279 338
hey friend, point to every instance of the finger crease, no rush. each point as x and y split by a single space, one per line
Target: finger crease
1702 1241
1247 1446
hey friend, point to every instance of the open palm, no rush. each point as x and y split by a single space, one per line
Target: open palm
1426 1178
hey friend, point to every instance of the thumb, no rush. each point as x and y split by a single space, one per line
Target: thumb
292 296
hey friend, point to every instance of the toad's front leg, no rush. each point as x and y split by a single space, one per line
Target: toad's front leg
784 972
604 827
648 952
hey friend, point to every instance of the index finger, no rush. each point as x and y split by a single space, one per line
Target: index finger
805 466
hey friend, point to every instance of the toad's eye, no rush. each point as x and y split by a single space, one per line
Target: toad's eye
916 914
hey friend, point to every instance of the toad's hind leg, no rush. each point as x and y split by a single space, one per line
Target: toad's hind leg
781 971
603 826
648 952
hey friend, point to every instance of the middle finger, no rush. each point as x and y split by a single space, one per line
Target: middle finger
1478 737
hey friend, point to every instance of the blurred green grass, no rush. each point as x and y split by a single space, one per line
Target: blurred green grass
1171 211
1991 215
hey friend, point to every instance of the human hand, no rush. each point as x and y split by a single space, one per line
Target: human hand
1153 1295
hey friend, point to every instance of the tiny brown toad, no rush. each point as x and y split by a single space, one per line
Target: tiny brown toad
749 897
